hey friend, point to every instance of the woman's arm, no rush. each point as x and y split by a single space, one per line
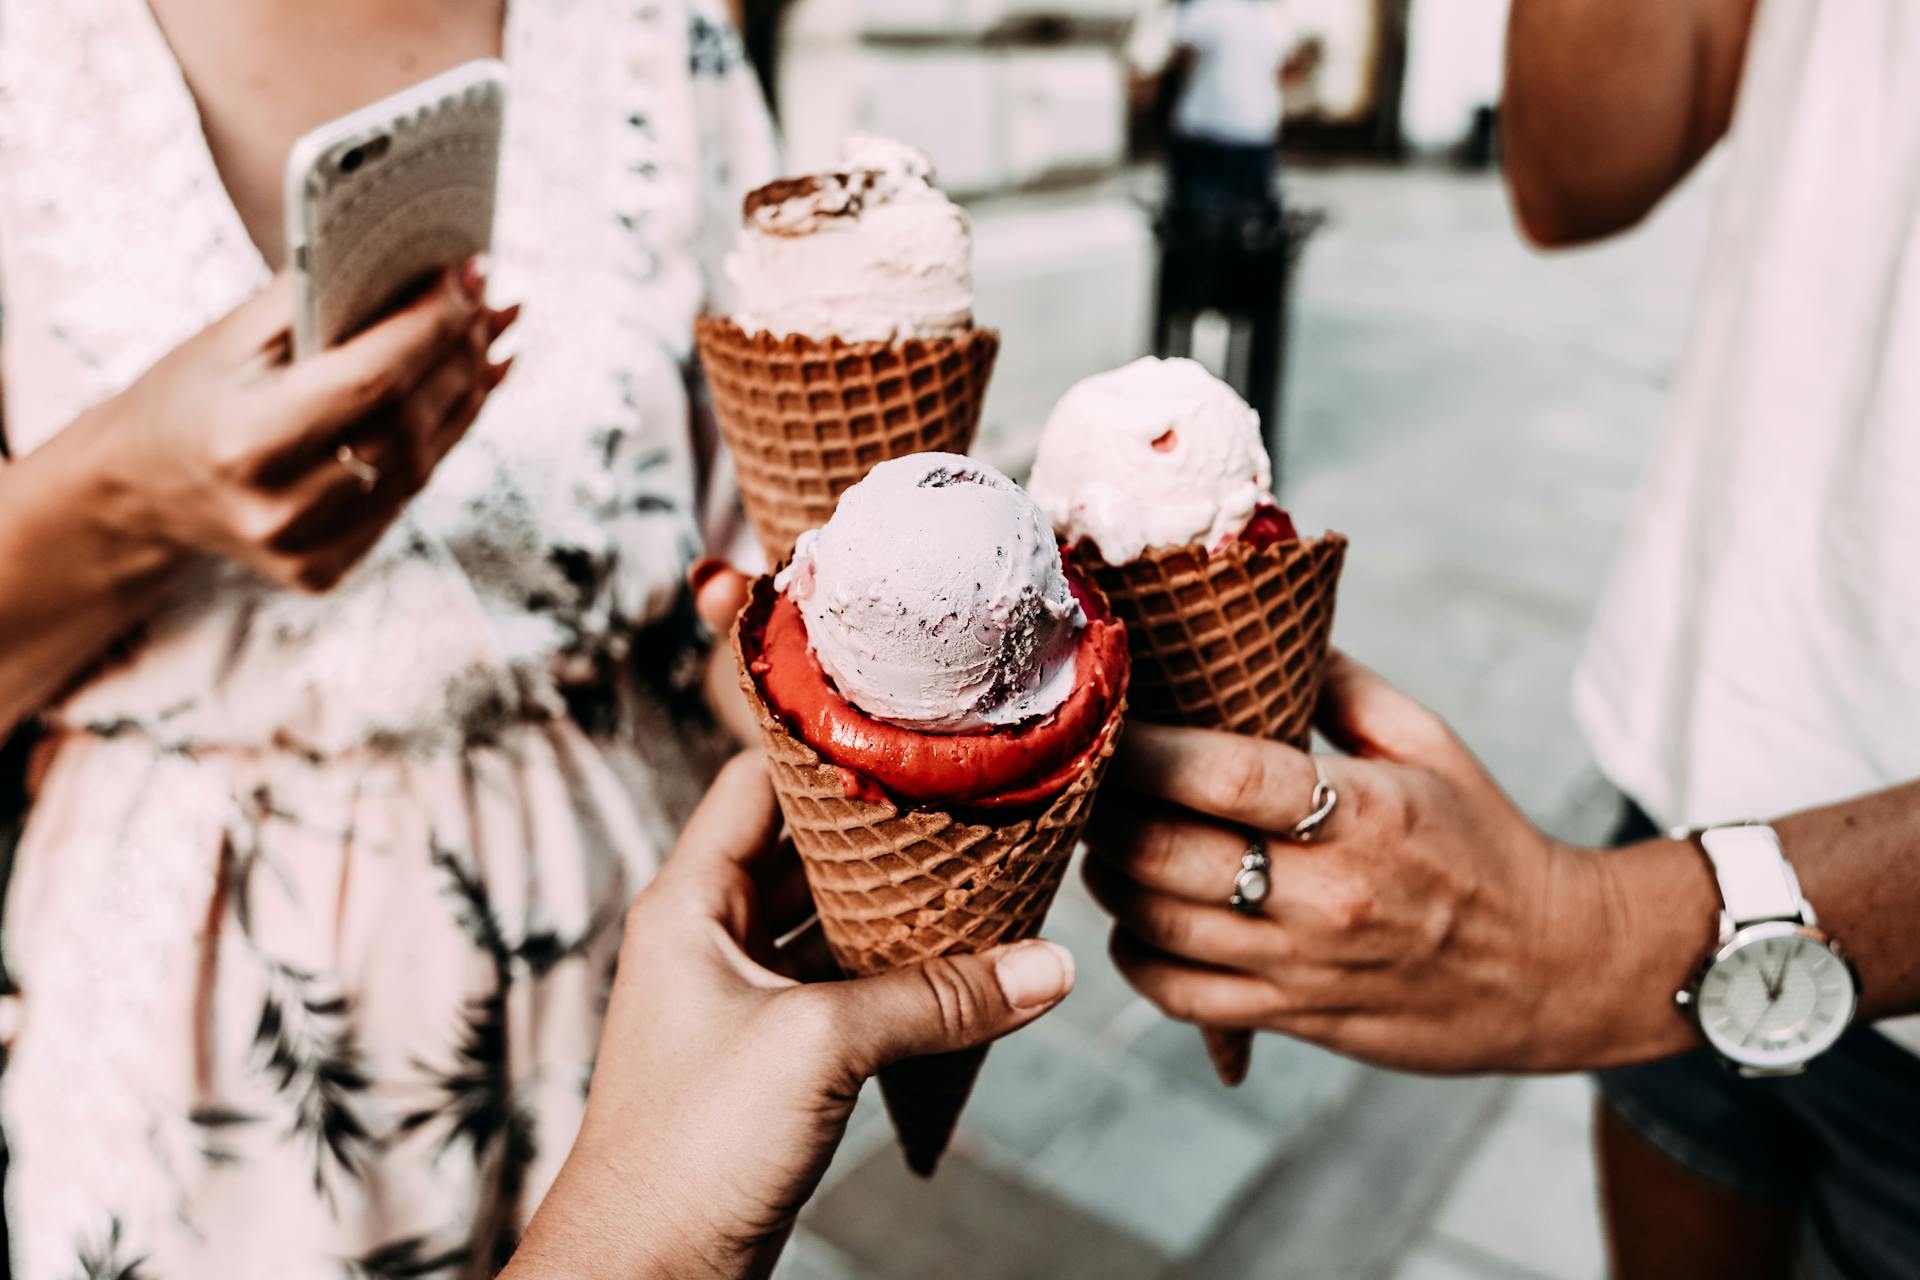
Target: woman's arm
226 449
1609 103
71 580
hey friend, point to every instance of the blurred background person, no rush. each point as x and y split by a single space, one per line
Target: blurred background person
1222 65
357 744
1209 78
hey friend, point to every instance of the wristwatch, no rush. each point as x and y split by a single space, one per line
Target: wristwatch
1776 992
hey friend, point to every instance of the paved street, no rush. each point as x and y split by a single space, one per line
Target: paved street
1472 415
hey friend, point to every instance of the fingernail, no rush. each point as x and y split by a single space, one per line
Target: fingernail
497 373
1034 974
498 322
703 572
473 279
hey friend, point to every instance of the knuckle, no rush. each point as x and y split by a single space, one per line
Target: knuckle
1351 910
233 458
1427 733
1180 997
260 523
1159 848
808 1020
369 386
1169 929
962 1011
1407 812
1172 998
1242 779
315 575
450 322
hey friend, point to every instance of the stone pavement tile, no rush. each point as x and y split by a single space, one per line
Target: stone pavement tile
1291 1089
1529 1195
970 1223
1038 1084
808 1257
1165 1164
1352 1201
1439 1259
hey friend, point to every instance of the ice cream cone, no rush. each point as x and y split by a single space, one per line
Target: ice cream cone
897 886
1233 640
806 419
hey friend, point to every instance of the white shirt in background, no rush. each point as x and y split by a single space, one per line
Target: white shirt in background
1233 92
1758 650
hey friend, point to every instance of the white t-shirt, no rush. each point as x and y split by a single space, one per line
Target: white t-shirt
1758 649
1233 92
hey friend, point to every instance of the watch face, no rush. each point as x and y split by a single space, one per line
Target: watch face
1775 996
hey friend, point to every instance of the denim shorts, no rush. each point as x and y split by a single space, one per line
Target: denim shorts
1838 1145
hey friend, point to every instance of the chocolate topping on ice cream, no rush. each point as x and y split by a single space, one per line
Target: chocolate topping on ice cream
871 251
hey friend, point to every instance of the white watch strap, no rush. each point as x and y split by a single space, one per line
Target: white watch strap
1756 881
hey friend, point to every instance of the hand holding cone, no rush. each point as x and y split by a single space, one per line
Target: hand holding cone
1235 640
894 886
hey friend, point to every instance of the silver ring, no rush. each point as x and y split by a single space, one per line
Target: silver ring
365 472
1253 882
1325 798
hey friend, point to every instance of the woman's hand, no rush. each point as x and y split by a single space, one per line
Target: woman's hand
1428 927
227 448
723 1083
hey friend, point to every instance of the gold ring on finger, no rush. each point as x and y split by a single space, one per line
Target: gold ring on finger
359 468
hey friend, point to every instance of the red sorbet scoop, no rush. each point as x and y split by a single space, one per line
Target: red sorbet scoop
1269 527
997 768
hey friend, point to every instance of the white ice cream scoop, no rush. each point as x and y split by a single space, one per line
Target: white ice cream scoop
935 598
871 252
1159 453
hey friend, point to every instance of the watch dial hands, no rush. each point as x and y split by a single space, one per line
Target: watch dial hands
1758 1019
1774 984
1778 980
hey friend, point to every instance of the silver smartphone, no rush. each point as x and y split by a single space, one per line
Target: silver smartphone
382 199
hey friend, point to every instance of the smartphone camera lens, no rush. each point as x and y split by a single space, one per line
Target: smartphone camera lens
352 160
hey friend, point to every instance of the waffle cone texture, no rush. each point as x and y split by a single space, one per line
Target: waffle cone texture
807 419
1235 640
897 886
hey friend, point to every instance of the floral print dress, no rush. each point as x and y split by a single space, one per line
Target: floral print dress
314 912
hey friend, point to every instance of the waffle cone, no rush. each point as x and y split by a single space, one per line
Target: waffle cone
807 419
1235 640
897 886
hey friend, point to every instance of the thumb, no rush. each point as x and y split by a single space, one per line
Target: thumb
1363 715
947 1003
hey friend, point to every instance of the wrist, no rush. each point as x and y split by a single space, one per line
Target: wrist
609 1218
112 490
1627 929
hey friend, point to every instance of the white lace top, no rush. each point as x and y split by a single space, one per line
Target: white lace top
558 528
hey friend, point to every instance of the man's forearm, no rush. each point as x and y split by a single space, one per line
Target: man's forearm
1634 924
70 582
1608 104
